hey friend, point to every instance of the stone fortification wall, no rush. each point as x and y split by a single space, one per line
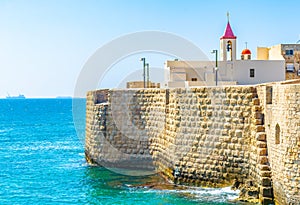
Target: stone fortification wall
207 136
282 120
116 134
207 131
214 136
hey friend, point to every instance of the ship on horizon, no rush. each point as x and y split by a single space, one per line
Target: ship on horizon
20 96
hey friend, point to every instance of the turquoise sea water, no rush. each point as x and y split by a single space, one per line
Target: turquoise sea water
42 162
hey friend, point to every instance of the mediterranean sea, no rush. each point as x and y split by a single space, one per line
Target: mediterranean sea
42 162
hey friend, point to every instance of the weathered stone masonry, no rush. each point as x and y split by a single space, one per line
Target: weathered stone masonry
281 105
208 136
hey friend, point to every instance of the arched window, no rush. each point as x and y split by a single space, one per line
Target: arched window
277 134
229 51
229 46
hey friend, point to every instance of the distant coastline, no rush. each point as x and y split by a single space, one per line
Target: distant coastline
64 97
20 96
40 98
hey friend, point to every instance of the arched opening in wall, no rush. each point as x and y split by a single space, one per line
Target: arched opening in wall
229 51
277 134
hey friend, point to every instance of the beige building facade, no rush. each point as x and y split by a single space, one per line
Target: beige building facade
290 53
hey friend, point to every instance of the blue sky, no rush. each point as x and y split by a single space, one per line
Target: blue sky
45 44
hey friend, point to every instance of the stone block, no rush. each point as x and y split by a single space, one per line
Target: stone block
246 114
226 101
227 125
227 113
265 173
263 160
261 144
266 182
239 133
237 170
234 95
258 121
231 146
238 146
262 151
240 102
235 153
249 96
255 101
261 136
246 102
266 192
233 102
225 132
234 140
208 101
266 201
258 115
260 128
225 139
256 108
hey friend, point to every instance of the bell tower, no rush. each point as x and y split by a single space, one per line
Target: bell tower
228 44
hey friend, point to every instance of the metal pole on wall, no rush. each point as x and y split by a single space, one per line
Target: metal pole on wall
216 68
216 76
147 67
144 73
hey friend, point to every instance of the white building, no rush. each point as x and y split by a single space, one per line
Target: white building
230 70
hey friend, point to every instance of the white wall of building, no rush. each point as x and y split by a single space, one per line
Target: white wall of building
264 71
229 72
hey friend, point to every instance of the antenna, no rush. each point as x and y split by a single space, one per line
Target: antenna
246 44
227 16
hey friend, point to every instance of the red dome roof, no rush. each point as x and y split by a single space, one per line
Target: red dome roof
246 52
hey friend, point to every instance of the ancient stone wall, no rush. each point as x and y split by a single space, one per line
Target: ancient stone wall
207 130
206 136
282 120
116 134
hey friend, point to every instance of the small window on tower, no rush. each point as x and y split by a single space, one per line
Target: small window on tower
194 79
252 72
